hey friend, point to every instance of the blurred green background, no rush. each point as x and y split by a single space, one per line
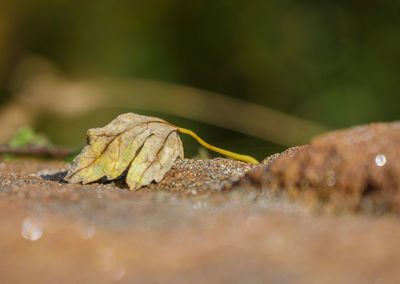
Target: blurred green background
297 67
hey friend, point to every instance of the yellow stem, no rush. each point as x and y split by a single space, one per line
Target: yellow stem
236 156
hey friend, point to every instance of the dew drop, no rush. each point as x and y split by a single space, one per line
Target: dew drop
380 160
31 229
117 273
197 205
88 232
107 259
110 265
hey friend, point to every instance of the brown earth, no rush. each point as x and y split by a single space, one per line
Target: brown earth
203 223
356 169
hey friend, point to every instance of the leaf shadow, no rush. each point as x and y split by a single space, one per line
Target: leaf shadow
59 177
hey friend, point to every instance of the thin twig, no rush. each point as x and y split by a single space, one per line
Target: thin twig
35 150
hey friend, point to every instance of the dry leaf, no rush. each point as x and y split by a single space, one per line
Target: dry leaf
148 146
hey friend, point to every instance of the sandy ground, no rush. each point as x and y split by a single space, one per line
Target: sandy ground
201 229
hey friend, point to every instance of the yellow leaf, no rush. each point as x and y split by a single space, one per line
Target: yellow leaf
148 146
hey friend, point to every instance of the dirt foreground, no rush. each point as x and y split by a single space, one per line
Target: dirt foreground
204 223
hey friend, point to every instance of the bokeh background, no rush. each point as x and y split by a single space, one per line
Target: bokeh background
250 76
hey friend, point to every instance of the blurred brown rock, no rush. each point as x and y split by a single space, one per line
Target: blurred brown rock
352 169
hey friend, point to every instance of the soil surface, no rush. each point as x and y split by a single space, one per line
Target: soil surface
356 169
212 221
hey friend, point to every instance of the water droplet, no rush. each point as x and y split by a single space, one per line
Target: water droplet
330 178
197 205
380 160
107 259
32 229
117 272
110 265
87 232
